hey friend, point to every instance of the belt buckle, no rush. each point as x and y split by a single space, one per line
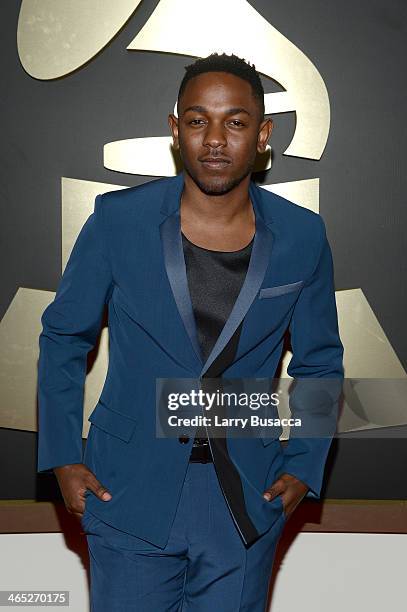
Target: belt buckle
202 455
198 442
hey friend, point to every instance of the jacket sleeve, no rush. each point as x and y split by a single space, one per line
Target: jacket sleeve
317 367
71 326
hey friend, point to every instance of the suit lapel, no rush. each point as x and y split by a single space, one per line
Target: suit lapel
175 265
174 261
170 231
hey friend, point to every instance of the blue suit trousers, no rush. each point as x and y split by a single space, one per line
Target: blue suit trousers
205 565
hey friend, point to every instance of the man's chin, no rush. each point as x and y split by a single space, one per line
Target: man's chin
217 187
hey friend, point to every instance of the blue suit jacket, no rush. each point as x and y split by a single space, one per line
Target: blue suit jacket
129 256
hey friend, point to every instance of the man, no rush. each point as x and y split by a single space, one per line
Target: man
202 274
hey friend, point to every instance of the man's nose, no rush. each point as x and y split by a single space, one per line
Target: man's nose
215 136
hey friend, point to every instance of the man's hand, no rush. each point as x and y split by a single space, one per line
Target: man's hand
74 480
291 490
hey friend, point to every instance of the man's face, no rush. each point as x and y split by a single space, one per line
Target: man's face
219 130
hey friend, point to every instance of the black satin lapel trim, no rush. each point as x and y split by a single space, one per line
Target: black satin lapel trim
259 260
170 230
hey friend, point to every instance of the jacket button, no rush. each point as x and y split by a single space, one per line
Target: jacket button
183 439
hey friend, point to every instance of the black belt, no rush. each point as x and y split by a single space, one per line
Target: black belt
200 451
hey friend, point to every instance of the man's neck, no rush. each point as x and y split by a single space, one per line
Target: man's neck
221 222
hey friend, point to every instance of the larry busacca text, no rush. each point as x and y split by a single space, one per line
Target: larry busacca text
238 422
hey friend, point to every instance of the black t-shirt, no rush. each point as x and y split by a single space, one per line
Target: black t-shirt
214 280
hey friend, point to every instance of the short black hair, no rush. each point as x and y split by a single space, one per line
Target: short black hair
226 63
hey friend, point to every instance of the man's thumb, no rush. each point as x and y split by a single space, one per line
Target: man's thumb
276 488
100 491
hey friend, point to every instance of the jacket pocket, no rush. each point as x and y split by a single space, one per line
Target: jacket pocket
112 422
268 292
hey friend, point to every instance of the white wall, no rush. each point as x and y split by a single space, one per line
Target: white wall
333 572
45 561
318 572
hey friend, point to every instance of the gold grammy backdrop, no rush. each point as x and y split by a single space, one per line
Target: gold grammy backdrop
58 37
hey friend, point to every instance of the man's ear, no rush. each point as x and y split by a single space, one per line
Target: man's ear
173 123
265 129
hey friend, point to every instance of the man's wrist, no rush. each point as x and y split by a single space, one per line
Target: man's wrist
64 467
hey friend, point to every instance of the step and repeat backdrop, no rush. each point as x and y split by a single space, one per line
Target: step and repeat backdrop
86 91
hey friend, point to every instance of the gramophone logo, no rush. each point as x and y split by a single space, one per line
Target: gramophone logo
56 38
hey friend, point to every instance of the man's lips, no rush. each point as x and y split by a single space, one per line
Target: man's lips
215 162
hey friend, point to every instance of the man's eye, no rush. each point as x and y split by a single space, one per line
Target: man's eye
196 122
236 122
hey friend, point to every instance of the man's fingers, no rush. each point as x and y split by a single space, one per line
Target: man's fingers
278 487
